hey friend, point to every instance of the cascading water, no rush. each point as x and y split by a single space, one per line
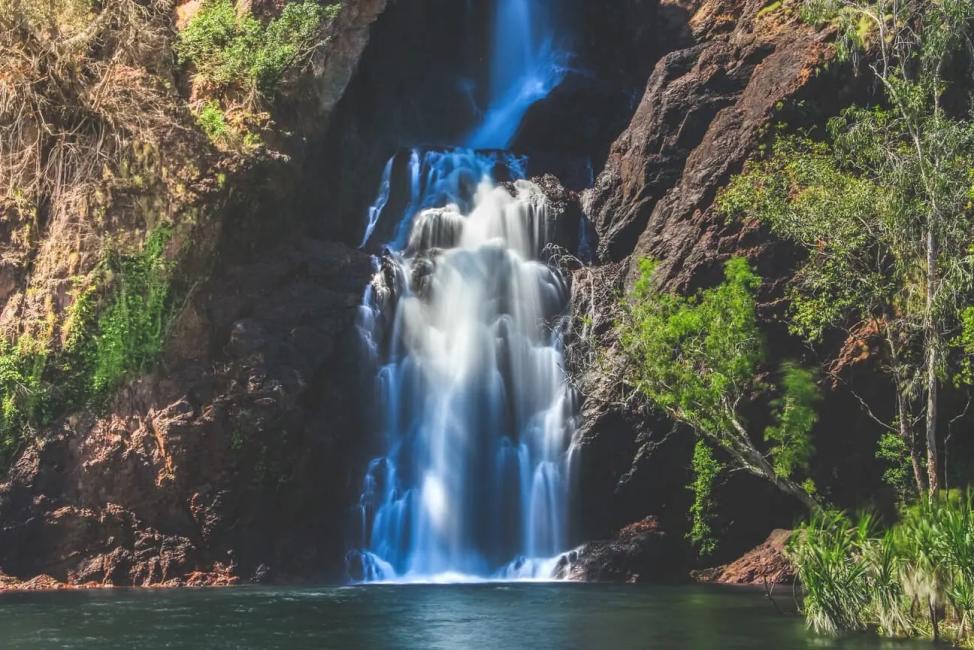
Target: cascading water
526 65
461 322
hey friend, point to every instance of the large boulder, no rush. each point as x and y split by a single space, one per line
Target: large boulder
640 552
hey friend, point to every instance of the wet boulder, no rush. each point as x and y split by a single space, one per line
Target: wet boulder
640 552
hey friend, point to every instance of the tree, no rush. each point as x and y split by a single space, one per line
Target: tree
698 359
917 148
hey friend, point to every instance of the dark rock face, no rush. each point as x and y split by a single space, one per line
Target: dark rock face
234 461
699 120
632 463
640 552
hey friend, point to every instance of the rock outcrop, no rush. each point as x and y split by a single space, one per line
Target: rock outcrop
234 461
699 120
640 552
766 564
733 69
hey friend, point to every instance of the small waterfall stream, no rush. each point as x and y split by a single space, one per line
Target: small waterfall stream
462 324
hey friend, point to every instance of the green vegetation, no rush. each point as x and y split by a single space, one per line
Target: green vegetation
115 327
24 399
893 453
706 469
698 359
915 579
133 328
882 205
213 121
965 343
922 155
240 52
857 204
795 415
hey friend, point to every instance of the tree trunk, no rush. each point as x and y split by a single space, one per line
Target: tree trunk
909 439
753 461
932 343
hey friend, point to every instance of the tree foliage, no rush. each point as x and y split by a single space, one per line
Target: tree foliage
919 150
795 413
706 469
698 358
231 49
857 205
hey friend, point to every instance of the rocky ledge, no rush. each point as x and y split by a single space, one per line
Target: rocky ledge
766 564
640 552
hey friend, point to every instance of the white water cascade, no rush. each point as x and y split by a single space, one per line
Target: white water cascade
462 322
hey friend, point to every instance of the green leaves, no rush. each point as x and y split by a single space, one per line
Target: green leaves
213 122
805 196
854 579
795 415
706 468
695 356
828 556
698 359
228 49
133 328
894 454
965 343
24 397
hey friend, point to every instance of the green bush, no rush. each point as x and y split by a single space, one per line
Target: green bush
699 359
213 122
828 554
132 329
240 51
893 453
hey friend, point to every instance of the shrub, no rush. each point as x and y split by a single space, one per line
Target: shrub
24 397
132 329
828 554
699 358
231 50
213 122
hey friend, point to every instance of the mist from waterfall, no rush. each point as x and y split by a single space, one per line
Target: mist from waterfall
462 324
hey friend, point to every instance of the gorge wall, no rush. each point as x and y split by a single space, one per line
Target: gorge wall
238 456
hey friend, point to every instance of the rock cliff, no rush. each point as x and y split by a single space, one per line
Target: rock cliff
236 457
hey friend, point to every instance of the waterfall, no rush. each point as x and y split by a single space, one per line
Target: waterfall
462 324
526 65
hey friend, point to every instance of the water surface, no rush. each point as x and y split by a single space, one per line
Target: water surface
490 616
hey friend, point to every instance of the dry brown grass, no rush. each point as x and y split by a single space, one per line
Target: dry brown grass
87 92
80 82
